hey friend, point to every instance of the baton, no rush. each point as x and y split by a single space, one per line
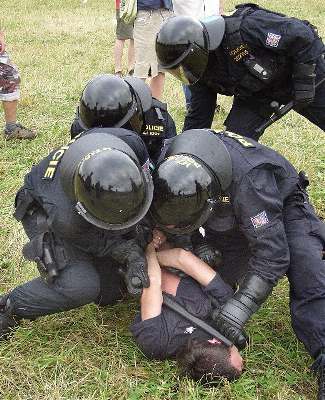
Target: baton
173 305
279 112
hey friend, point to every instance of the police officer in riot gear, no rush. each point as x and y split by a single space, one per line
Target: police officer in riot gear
260 57
82 207
253 206
100 104
112 101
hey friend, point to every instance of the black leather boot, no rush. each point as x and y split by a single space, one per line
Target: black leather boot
321 383
8 322
319 368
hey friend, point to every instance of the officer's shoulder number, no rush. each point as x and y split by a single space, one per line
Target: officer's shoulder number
244 141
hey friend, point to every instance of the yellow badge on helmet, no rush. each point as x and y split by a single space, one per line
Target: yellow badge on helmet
184 160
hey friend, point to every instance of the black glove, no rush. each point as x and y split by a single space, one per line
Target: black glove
230 319
136 276
181 241
133 264
303 84
144 233
208 254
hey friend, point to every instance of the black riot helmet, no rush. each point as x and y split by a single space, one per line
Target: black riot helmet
183 45
101 174
189 181
111 101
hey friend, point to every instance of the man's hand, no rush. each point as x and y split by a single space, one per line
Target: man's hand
136 277
2 43
304 84
158 238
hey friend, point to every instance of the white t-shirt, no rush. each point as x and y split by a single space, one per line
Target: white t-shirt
196 8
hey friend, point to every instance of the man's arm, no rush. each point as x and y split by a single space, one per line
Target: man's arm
221 7
2 42
149 328
187 262
151 298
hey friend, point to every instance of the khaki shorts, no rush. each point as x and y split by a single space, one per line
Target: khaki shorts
146 26
9 79
123 31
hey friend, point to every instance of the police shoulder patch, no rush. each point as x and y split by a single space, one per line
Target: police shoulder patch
260 220
272 39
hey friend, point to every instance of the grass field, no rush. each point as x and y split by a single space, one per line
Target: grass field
88 353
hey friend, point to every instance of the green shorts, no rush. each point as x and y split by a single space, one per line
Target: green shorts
123 31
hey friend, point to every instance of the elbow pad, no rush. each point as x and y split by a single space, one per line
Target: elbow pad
304 83
248 299
230 319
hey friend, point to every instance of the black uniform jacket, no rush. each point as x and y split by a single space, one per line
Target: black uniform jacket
43 187
254 205
258 53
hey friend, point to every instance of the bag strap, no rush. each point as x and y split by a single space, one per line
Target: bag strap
173 305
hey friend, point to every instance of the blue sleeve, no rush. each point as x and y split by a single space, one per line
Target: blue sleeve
258 208
219 289
283 35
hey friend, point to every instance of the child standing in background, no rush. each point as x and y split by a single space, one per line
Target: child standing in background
123 32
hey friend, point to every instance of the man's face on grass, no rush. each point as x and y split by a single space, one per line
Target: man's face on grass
236 359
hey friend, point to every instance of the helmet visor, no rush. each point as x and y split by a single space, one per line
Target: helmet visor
189 223
192 66
114 199
184 195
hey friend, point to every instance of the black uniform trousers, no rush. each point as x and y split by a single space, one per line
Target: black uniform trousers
85 279
306 274
248 114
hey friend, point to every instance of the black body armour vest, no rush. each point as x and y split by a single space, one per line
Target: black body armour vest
244 71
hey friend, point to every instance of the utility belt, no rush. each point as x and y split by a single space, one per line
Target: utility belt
44 248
